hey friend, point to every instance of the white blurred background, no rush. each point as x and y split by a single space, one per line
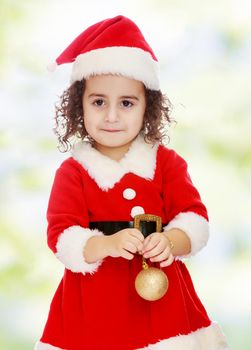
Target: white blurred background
204 50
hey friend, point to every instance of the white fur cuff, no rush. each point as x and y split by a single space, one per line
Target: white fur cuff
195 226
70 248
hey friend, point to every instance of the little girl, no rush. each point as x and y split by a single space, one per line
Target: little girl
119 169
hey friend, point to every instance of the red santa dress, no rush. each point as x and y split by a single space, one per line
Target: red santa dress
96 305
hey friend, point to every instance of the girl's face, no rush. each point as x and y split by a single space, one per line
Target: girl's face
114 108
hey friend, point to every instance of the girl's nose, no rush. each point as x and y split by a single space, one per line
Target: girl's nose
112 115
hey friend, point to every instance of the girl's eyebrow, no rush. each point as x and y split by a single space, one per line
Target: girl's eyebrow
133 97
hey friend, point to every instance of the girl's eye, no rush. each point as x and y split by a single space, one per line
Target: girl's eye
98 102
127 103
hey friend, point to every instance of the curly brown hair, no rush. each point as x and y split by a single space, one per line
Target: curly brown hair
70 121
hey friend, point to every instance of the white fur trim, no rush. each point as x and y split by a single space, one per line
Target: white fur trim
70 248
206 338
43 346
129 193
106 171
131 62
137 210
195 226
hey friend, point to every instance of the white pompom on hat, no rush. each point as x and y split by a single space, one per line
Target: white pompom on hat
112 46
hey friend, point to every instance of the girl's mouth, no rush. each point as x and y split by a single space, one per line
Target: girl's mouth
111 130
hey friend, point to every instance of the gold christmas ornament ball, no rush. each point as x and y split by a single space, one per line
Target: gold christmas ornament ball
151 283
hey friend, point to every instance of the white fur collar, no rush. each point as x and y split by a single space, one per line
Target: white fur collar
140 159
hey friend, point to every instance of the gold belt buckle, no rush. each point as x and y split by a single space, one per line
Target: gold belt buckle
148 217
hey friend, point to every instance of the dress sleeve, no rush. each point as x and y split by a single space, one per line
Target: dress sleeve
67 216
183 205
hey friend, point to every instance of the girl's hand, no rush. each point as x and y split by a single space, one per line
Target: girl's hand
157 248
124 243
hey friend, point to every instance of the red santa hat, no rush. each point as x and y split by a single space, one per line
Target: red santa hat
112 46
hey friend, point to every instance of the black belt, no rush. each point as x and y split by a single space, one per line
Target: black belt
111 227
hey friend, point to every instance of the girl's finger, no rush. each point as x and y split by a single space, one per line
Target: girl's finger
130 246
136 242
167 262
151 245
154 248
125 254
137 234
146 241
162 256
151 241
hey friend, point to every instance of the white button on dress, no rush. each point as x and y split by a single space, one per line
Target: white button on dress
129 193
137 210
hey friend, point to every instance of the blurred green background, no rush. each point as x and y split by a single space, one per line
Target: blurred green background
204 50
